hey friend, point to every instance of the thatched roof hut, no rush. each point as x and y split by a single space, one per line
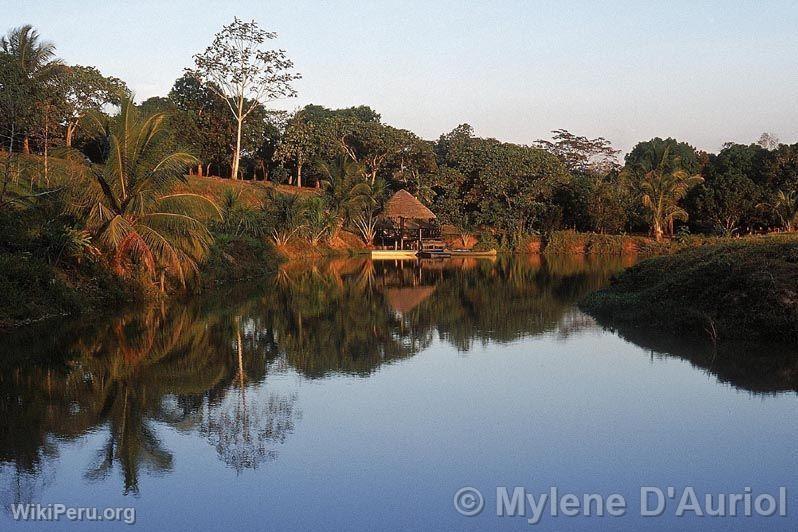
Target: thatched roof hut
405 206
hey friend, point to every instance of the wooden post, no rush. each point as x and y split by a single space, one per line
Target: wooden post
401 233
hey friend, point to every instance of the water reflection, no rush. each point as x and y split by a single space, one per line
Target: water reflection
756 367
200 366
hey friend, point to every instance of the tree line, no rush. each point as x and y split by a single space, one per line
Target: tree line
217 121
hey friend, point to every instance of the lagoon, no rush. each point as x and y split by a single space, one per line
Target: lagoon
360 395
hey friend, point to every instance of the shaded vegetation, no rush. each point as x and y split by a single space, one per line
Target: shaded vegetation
743 289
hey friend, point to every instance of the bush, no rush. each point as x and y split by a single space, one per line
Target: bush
32 290
566 242
486 242
235 258
606 244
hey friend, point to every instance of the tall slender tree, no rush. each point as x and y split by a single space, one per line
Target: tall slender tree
236 68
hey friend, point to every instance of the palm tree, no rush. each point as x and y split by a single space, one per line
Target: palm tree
318 219
33 55
285 215
345 190
132 206
785 207
34 59
663 184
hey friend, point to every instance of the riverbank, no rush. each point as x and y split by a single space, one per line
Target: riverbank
33 290
52 267
738 289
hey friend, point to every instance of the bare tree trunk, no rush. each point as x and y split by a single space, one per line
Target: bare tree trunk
70 131
299 174
657 230
11 140
25 145
46 142
46 161
237 152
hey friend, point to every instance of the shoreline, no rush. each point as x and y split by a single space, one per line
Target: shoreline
236 260
730 290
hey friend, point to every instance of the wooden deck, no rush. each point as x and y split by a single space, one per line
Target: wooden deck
392 254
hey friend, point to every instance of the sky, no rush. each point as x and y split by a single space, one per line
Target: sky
702 72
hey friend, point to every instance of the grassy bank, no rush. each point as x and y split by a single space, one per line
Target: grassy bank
32 290
573 242
741 289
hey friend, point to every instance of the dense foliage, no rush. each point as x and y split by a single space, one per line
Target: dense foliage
117 169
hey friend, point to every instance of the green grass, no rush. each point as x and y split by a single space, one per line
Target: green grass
738 289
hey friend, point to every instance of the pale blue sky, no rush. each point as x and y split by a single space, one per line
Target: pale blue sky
704 72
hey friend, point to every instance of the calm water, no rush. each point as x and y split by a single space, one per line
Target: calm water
361 396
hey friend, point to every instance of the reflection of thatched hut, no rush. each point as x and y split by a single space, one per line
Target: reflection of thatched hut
403 300
406 219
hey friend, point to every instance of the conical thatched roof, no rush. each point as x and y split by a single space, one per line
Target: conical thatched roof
405 205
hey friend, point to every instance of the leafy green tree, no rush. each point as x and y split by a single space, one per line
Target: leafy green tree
298 145
589 162
204 122
15 100
377 143
413 166
269 142
733 185
355 132
131 205
244 75
663 180
782 168
505 186
518 184
609 205
451 205
582 155
85 89
680 155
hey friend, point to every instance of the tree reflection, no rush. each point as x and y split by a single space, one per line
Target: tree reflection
243 434
202 366
125 377
753 367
